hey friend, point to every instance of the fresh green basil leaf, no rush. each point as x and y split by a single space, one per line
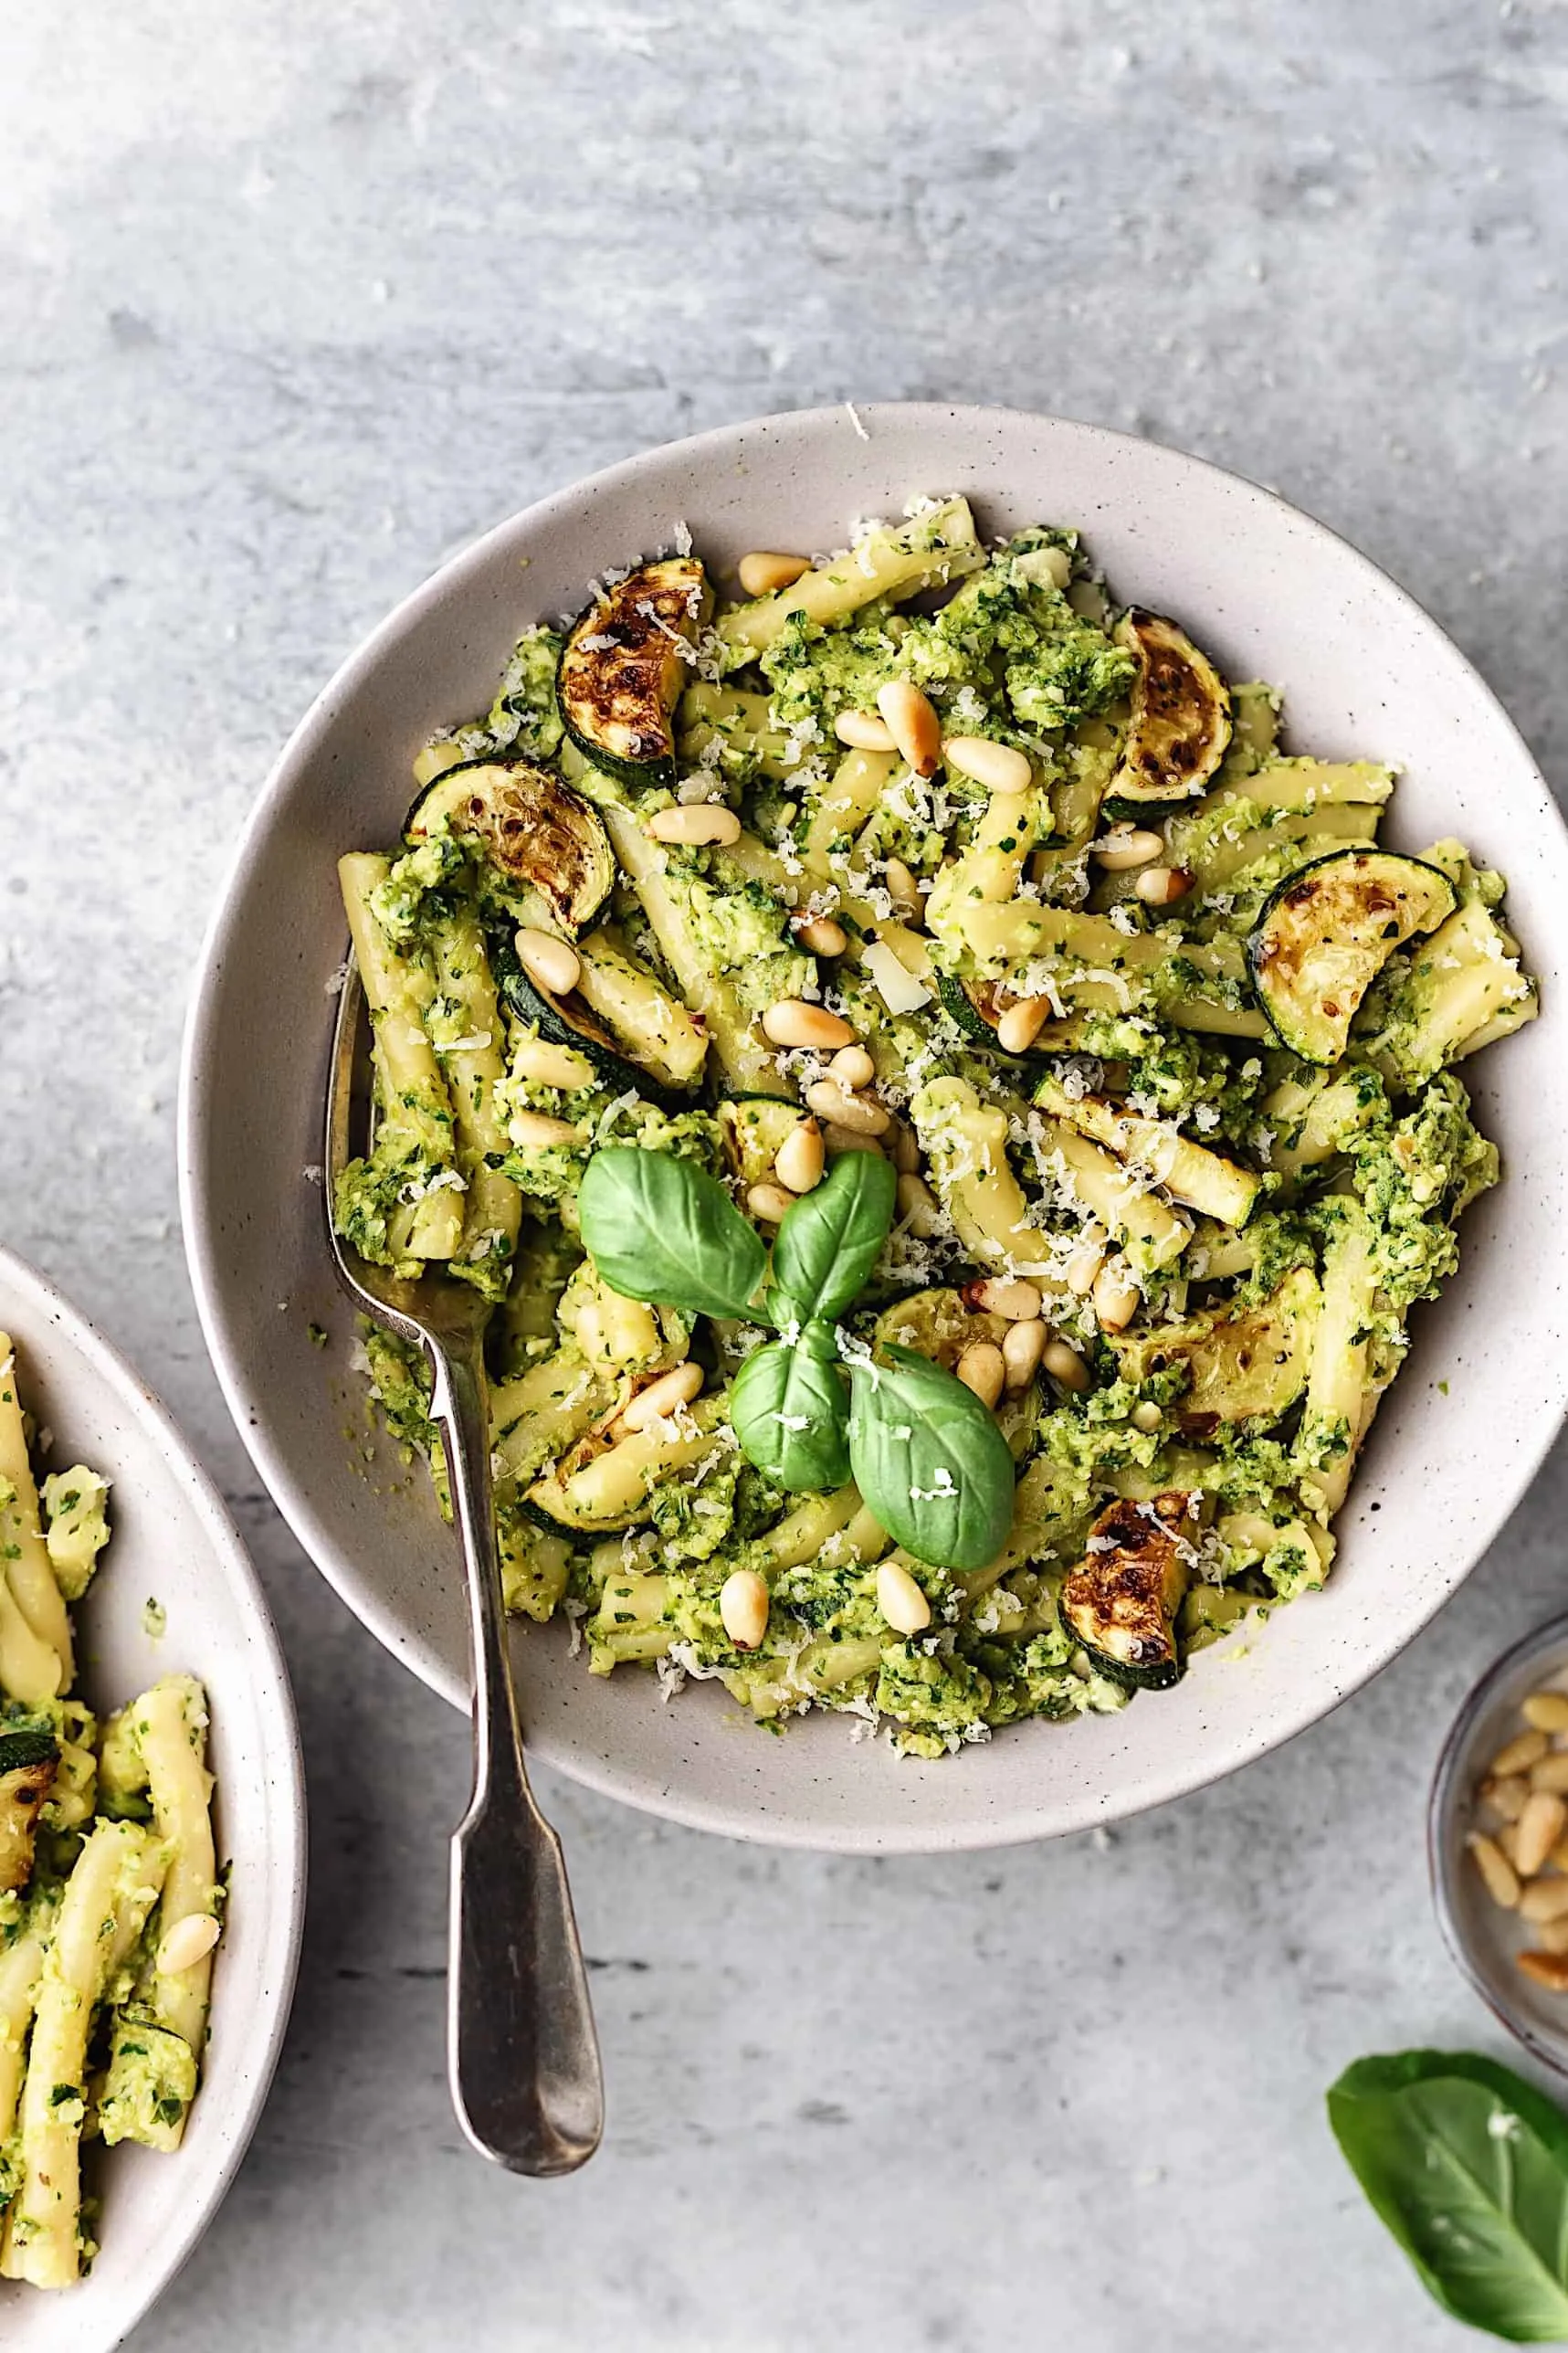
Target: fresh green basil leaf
829 1241
789 1410
662 1229
1467 2165
929 1461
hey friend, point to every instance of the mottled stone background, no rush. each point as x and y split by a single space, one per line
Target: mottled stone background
294 300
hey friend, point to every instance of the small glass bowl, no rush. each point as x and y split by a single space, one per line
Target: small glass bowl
1482 1938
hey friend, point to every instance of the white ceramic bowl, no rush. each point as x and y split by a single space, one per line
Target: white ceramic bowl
173 1542
1482 1938
1273 594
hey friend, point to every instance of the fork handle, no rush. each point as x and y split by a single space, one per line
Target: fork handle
522 2053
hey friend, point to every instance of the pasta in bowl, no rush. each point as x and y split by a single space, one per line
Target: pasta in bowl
1258 592
151 1837
951 1118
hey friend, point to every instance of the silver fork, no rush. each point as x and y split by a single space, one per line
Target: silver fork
522 2054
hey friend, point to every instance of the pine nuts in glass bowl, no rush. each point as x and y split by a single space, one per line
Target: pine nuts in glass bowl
1473 1848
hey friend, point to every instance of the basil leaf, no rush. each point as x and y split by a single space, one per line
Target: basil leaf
929 1461
788 1409
662 1229
1467 2165
829 1241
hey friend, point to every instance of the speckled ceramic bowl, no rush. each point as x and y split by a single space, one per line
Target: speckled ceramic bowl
1273 594
1481 1936
173 1543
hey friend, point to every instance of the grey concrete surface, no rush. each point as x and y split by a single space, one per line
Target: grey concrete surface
294 300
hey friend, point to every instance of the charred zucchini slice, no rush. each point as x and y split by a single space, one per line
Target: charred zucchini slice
1180 725
1328 931
1250 1366
565 1021
536 831
28 1763
977 1005
626 664
1123 1600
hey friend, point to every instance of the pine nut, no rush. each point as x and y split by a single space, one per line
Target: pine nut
1018 1301
552 1066
800 1158
1506 1798
1552 1936
919 1208
699 824
1540 1826
1116 1299
1125 846
1552 1773
1546 1711
852 1067
770 1203
1548 1970
1085 1260
904 892
904 1149
916 729
1519 1754
899 1599
983 1368
532 1131
997 766
1018 1027
1022 1346
1147 1416
819 936
1162 886
743 1604
1066 1365
863 731
190 1940
1543 1899
794 1022
1508 1839
551 962
1500 1877
853 1111
1558 1858
846 1139
765 573
661 1398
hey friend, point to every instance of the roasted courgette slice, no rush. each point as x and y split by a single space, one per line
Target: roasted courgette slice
625 665
533 829
1328 931
567 1021
28 1763
977 1005
1123 1600
1179 728
1246 1366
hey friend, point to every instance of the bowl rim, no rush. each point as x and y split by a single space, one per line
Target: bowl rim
146 1410
1443 1799
1012 1825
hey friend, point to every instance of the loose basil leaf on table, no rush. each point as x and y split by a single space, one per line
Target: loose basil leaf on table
1466 2164
662 1229
829 1241
929 1461
789 1410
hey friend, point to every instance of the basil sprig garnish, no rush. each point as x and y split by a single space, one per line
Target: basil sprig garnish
787 1409
929 1461
663 1230
809 1409
1466 2164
